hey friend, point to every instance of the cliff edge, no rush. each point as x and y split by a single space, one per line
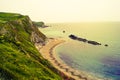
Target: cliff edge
19 59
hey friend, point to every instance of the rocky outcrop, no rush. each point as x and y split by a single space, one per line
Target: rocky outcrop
106 45
73 37
36 39
81 39
94 42
85 40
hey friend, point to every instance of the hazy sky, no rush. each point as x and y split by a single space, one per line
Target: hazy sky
64 10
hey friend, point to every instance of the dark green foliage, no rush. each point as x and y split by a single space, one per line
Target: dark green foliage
19 59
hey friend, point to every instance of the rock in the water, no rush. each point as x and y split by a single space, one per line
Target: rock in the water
81 39
72 36
106 45
94 43
84 40
63 31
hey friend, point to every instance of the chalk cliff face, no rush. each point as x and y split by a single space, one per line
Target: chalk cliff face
19 59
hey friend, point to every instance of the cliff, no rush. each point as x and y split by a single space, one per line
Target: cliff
19 59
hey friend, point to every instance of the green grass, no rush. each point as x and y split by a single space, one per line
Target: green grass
21 65
4 17
19 59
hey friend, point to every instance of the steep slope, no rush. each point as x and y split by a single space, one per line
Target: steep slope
19 59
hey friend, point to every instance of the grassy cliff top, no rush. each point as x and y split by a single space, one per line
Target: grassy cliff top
4 17
19 59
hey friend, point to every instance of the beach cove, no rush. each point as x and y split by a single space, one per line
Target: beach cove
47 51
99 61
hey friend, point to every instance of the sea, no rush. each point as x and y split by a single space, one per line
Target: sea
96 60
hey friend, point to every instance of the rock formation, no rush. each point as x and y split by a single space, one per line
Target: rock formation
85 40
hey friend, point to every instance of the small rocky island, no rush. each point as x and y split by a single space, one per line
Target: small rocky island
85 40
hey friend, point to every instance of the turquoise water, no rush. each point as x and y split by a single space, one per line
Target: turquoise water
100 61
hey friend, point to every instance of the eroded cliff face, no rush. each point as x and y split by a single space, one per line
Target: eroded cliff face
19 59
36 35
11 28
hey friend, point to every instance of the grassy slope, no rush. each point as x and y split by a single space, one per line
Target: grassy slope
19 59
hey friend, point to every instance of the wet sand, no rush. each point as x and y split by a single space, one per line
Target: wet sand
47 51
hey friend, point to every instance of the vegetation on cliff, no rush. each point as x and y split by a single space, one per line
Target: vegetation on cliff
40 24
19 59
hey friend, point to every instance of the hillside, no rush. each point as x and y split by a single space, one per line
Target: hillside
40 24
19 59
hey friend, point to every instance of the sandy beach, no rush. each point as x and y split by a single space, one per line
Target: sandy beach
47 51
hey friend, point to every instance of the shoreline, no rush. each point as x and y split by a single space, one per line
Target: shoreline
47 51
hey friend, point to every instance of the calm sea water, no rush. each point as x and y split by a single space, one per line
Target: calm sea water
100 61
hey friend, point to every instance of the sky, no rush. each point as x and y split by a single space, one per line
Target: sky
65 10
